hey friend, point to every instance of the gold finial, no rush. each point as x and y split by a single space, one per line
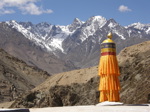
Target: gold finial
109 40
109 35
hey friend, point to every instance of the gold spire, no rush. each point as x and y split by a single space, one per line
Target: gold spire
109 39
109 35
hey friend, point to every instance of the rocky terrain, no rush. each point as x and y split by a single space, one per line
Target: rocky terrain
134 64
80 87
16 77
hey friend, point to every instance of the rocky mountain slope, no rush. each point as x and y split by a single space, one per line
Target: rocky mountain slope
17 45
80 87
56 48
16 77
135 73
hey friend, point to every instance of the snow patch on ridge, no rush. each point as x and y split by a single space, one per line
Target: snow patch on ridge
57 43
122 37
148 30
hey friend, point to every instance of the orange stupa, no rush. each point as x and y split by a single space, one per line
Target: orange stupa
109 72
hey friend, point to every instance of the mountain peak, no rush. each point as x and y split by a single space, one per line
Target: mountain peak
45 24
13 21
137 24
112 20
97 18
76 24
26 24
76 20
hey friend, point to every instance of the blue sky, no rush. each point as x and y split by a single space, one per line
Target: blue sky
63 12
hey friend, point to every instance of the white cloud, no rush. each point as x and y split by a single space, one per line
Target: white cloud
4 11
25 6
32 9
123 8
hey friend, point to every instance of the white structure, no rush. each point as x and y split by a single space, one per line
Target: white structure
90 108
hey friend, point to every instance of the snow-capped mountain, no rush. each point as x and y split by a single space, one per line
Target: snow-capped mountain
45 35
51 37
140 26
75 25
79 42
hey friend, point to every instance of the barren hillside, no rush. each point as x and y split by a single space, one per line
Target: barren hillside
80 87
16 77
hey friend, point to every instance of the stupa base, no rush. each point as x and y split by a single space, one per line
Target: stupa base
107 103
